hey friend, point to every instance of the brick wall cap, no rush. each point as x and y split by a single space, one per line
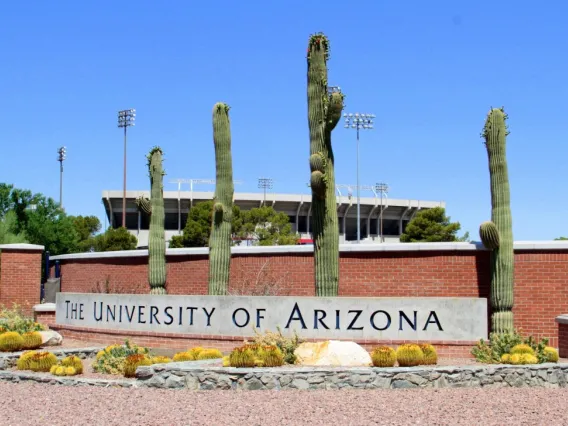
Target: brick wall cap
45 307
562 319
344 248
30 247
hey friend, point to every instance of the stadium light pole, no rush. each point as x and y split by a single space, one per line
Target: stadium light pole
358 121
126 119
383 188
265 183
62 151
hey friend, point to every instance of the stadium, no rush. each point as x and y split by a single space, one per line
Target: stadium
395 213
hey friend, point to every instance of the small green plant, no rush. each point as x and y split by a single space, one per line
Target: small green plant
499 344
13 319
287 345
111 360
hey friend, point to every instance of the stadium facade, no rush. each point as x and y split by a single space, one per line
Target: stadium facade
396 213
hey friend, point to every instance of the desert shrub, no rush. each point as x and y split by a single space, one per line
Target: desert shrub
161 360
32 340
287 345
551 354
73 361
13 319
383 356
183 356
209 354
409 355
491 351
11 341
430 354
112 360
132 362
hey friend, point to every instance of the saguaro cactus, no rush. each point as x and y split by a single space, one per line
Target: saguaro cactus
156 239
497 235
324 111
220 239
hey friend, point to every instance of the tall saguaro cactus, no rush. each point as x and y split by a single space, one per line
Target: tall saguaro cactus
156 239
220 239
324 111
497 235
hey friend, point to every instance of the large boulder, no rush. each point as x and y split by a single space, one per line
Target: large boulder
333 353
51 338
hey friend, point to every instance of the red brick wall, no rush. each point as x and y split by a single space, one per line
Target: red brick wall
541 277
20 278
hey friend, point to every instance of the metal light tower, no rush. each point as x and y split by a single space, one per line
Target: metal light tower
61 157
125 119
383 188
265 183
358 121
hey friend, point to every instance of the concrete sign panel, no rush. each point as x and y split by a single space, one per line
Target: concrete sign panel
356 318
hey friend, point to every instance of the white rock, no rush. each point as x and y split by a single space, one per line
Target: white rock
51 338
333 353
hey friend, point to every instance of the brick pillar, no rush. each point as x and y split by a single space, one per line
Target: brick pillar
562 321
20 275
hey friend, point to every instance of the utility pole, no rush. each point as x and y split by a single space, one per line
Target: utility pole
126 119
61 157
383 188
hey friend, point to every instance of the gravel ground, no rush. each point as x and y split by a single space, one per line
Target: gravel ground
36 404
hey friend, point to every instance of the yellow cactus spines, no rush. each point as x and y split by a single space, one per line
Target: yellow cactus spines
59 370
24 361
522 349
71 371
242 357
73 361
32 340
506 358
11 342
515 359
271 356
409 355
430 354
383 356
183 356
42 361
226 361
108 349
195 351
551 354
209 354
161 360
100 354
132 362
53 369
528 359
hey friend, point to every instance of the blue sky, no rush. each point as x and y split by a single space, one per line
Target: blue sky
428 70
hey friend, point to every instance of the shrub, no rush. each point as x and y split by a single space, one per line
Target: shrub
242 357
132 362
24 362
160 360
430 354
287 345
209 354
42 361
409 355
114 356
383 356
551 354
11 341
32 340
14 320
522 349
184 356
491 351
73 361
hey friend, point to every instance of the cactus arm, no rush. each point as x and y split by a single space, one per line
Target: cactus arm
489 235
156 239
502 259
324 111
144 205
220 240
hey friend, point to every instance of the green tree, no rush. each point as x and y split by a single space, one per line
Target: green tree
268 227
431 225
561 239
7 227
115 240
86 227
198 226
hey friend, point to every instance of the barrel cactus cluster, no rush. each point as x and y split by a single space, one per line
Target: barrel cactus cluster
406 355
497 234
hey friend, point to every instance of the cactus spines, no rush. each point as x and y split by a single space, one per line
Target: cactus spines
502 257
157 238
324 111
144 205
220 239
383 356
489 235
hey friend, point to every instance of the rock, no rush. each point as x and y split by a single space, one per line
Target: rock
333 353
50 338
253 384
